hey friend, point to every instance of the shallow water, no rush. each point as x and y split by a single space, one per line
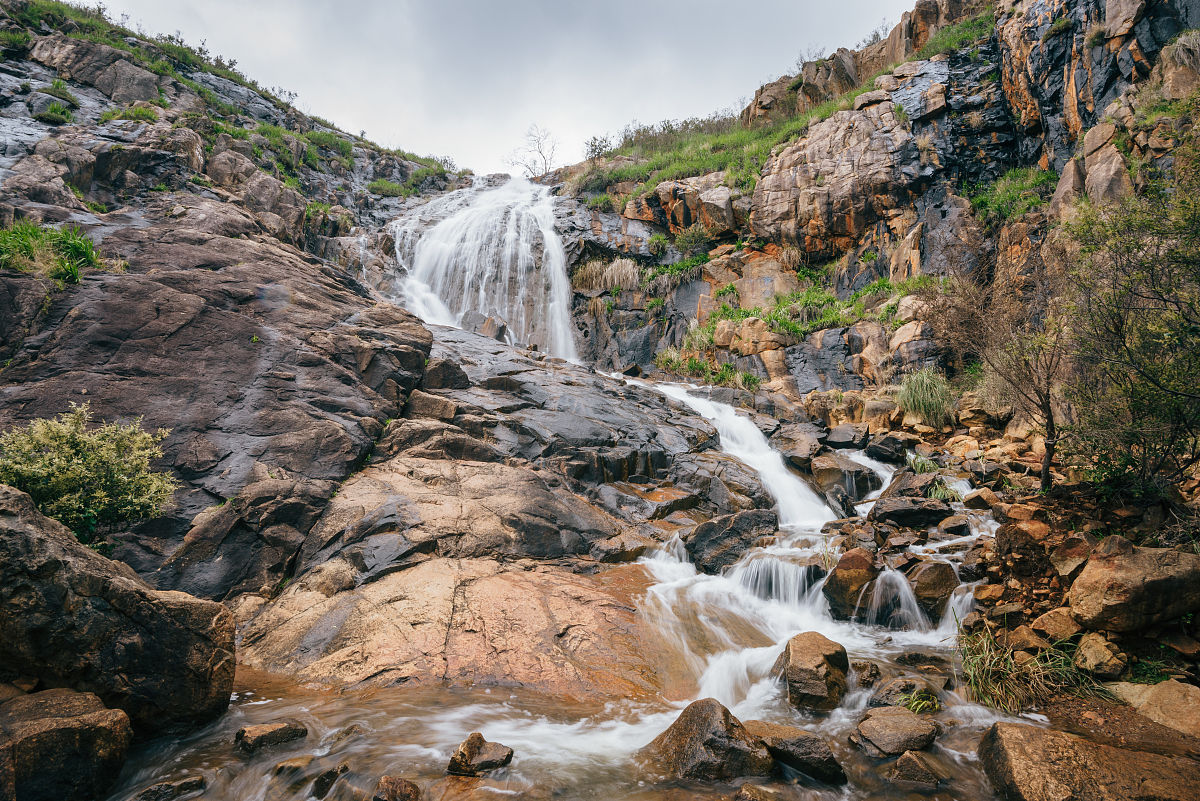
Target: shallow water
722 635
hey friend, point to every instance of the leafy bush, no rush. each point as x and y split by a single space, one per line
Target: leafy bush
1018 191
56 253
602 202
657 244
926 394
386 188
692 239
654 304
730 290
14 40
331 141
88 480
1060 26
922 464
54 114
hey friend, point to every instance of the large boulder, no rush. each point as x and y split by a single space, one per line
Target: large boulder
1027 763
1127 588
891 730
799 442
933 583
814 669
1171 703
73 618
910 512
834 469
718 543
60 745
799 750
844 587
707 743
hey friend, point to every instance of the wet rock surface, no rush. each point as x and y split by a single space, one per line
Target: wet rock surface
254 738
892 730
814 669
799 750
476 756
708 743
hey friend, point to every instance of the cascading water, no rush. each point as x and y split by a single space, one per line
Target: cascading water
492 250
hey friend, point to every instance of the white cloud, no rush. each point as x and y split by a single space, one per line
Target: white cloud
465 78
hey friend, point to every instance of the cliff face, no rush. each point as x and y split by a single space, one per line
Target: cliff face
876 186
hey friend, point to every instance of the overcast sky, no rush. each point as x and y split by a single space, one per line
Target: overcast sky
466 78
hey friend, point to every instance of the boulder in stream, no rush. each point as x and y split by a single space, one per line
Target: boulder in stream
891 730
844 587
799 750
475 756
814 668
250 739
707 743
394 788
718 543
910 512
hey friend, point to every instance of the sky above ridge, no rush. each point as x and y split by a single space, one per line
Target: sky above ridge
466 78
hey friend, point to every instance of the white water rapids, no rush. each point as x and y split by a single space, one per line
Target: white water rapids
492 251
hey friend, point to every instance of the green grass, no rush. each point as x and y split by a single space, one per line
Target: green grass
60 254
54 114
331 141
657 244
654 304
136 113
58 88
706 370
922 464
926 394
662 278
958 36
921 702
1019 191
1060 26
602 202
14 40
386 188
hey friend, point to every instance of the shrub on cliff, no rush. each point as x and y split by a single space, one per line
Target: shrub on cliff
1137 326
89 480
60 254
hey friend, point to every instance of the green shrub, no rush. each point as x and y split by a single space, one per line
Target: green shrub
654 304
1060 26
922 701
386 188
58 254
136 113
657 244
665 277
958 36
58 88
14 40
922 464
730 290
88 480
54 114
331 141
602 202
1019 191
693 239
926 394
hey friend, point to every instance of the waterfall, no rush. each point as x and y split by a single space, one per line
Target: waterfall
492 250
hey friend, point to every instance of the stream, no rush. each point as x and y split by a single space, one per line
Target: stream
488 250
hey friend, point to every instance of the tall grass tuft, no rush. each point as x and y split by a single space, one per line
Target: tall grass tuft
926 394
603 276
58 254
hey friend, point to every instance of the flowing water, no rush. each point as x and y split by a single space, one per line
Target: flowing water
723 632
491 251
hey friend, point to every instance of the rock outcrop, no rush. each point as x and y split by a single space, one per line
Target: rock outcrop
1127 588
72 618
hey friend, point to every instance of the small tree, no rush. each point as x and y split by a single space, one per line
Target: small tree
88 480
536 157
1017 326
1138 330
596 148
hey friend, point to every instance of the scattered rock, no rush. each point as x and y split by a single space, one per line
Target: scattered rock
326 779
1027 763
1127 588
847 436
393 788
799 750
866 673
830 470
172 790
893 691
718 543
799 443
982 499
476 756
891 730
1056 625
1099 657
60 745
707 743
1023 638
916 771
250 739
814 669
892 447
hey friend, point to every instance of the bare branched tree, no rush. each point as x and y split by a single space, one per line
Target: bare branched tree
1017 326
536 156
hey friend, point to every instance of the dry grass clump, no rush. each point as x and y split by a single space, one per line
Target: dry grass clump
600 275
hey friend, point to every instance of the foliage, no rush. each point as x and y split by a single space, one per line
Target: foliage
657 244
654 304
995 679
535 157
926 393
1059 27
58 88
14 40
941 491
89 480
138 113
922 701
600 275
54 114
693 239
386 188
922 464
602 202
730 290
596 148
331 141
957 36
1137 326
60 254
663 278
1019 191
